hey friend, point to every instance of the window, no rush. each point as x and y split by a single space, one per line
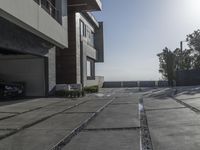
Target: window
90 69
82 29
92 39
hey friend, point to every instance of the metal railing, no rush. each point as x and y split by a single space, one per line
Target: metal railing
50 8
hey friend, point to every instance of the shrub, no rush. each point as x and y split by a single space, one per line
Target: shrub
70 94
91 89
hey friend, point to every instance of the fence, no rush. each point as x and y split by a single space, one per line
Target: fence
129 84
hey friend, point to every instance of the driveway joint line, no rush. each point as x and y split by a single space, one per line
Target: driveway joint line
38 121
78 129
165 108
112 129
186 105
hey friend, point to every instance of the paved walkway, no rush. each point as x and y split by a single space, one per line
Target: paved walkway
114 119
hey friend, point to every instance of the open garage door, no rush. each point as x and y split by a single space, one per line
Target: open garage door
24 68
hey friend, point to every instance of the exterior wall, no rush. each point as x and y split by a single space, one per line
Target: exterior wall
99 43
24 68
72 62
98 81
51 70
66 58
188 77
30 16
21 40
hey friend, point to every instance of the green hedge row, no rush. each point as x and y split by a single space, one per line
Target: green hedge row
76 94
91 89
70 94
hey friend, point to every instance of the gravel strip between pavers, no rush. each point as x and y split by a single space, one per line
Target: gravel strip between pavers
145 138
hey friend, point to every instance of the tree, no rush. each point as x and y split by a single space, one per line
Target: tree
184 60
168 66
194 43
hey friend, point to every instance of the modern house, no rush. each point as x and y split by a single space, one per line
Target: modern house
76 64
30 33
49 42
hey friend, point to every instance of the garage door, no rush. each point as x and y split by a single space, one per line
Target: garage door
24 68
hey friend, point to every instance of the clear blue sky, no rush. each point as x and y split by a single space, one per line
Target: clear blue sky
136 30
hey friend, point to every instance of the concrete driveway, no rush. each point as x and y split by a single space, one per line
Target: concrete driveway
114 119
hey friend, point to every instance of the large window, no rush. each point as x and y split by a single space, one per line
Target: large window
90 69
82 29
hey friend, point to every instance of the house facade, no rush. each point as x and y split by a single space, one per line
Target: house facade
44 43
30 33
76 64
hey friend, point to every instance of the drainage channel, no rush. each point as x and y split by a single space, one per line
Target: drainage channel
145 138
78 129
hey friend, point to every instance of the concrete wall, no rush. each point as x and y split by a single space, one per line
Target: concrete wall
121 84
147 83
188 77
98 81
52 70
99 43
30 16
24 68
15 38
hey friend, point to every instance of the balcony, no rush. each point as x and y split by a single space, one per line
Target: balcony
50 8
85 5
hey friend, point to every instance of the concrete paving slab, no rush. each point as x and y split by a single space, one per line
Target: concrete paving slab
105 140
181 137
89 106
29 105
4 133
185 96
160 103
130 99
193 102
40 139
21 120
116 116
61 106
44 135
66 121
6 115
164 118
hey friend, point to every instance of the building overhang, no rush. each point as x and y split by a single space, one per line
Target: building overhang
91 19
85 5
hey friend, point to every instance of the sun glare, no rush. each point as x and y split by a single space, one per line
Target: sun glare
193 6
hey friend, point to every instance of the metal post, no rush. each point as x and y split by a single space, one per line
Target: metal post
181 46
